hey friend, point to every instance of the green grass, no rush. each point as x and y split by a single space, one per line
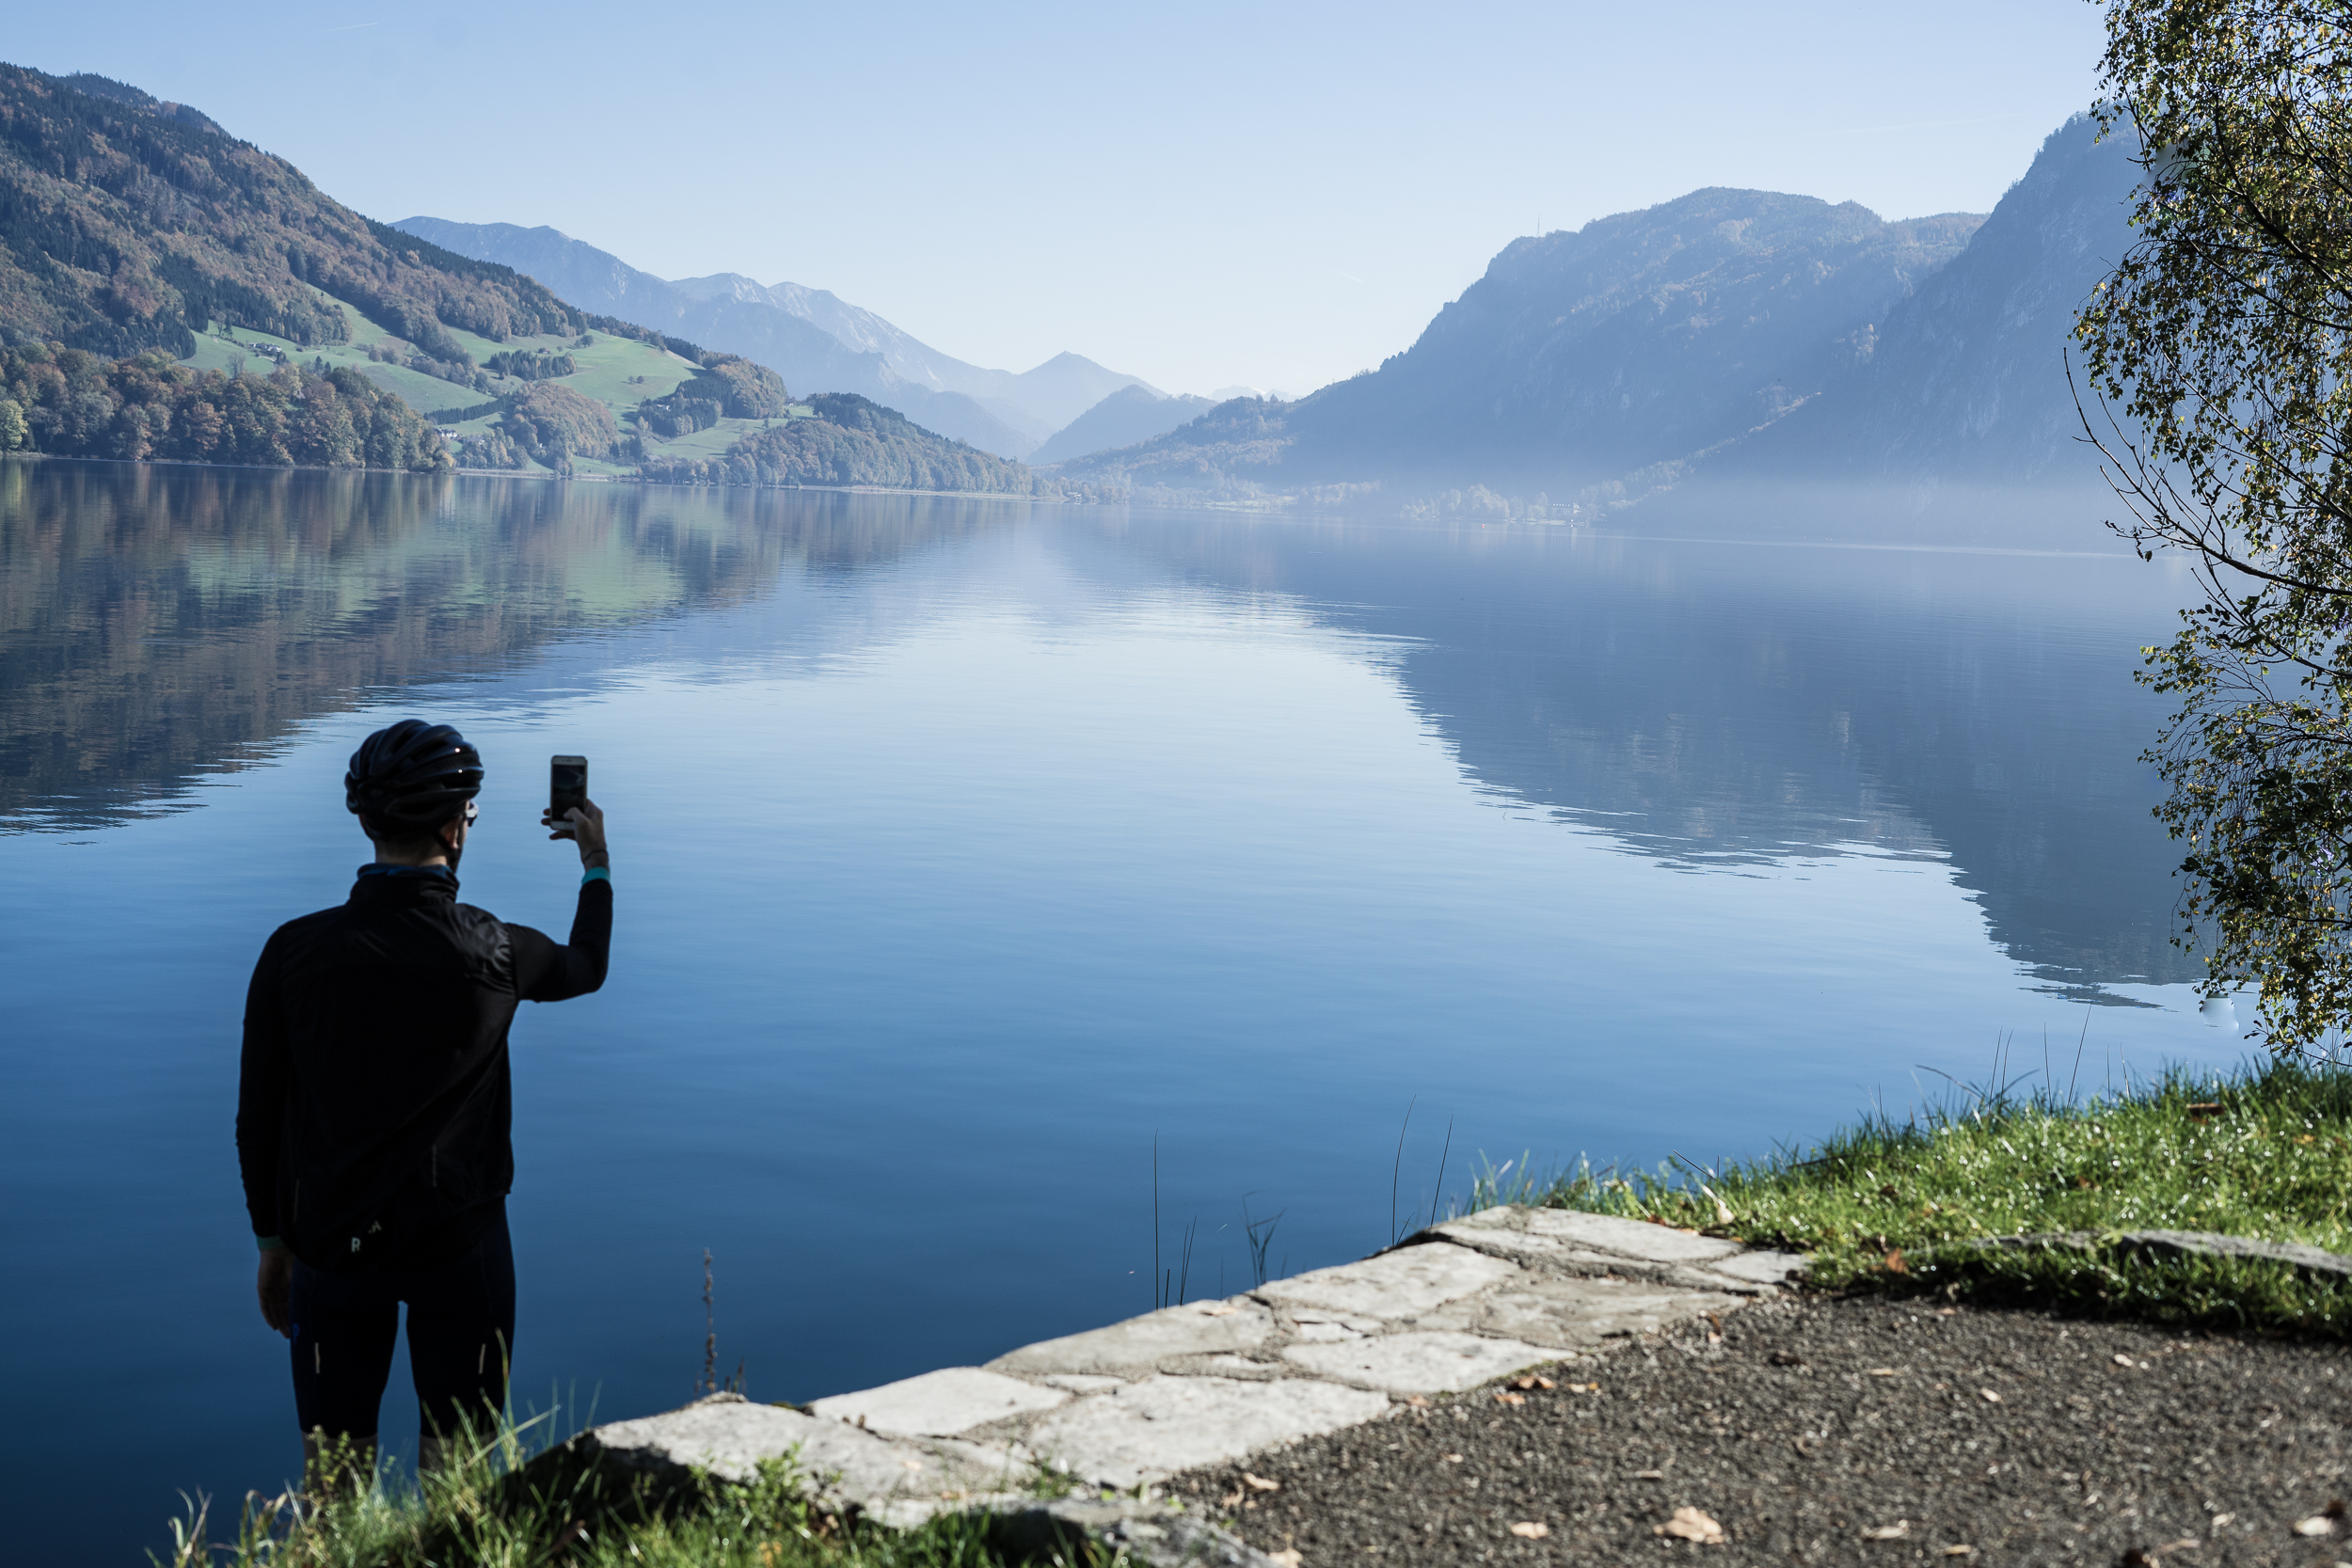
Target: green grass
424 393
713 442
620 372
494 1508
606 367
2264 1152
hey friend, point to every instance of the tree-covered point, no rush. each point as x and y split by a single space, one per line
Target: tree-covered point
727 387
67 402
127 224
851 441
549 425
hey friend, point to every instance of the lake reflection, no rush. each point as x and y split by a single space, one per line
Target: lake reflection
962 847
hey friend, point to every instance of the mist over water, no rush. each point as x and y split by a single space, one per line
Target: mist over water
962 849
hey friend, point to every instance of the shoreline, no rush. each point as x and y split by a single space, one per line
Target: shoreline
1482 1387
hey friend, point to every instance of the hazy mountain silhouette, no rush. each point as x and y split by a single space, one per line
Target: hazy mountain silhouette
1581 356
1730 344
813 339
1966 379
1130 414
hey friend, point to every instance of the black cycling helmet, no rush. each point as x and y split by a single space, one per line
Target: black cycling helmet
411 778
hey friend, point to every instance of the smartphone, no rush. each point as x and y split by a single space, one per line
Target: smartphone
567 786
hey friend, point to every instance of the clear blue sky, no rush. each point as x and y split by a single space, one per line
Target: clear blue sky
1201 194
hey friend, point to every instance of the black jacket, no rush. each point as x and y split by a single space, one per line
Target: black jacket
373 1107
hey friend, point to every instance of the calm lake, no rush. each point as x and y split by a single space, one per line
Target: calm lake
968 851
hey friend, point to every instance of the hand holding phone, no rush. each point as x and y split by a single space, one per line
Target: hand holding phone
570 813
567 786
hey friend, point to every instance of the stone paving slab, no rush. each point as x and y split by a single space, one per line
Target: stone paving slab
1395 1287
1140 1344
1125 1405
1151 1430
1763 1266
940 1403
848 1468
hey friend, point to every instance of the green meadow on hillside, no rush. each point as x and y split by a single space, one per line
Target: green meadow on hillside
619 373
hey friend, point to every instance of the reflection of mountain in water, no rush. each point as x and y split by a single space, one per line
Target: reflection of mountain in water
159 623
1725 704
1709 704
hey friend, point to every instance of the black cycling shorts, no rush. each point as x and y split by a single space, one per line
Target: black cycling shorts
461 1335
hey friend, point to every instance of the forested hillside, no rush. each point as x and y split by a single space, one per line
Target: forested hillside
127 224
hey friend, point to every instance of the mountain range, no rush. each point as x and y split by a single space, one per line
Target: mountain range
1726 337
811 337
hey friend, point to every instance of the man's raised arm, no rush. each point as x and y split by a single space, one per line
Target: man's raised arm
545 972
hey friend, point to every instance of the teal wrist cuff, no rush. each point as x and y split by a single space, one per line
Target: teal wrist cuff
602 872
269 1244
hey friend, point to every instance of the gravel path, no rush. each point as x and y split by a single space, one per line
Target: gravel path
1828 1431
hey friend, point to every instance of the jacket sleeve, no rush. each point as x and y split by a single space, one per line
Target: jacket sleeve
546 972
265 1074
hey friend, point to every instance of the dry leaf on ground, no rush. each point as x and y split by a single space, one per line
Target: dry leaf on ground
1451 1458
1260 1484
2122 1361
1898 1530
1531 1380
1533 1530
1510 1398
1884 1372
1960 1549
1990 1397
1689 1524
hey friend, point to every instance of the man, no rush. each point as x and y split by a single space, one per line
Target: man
373 1107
